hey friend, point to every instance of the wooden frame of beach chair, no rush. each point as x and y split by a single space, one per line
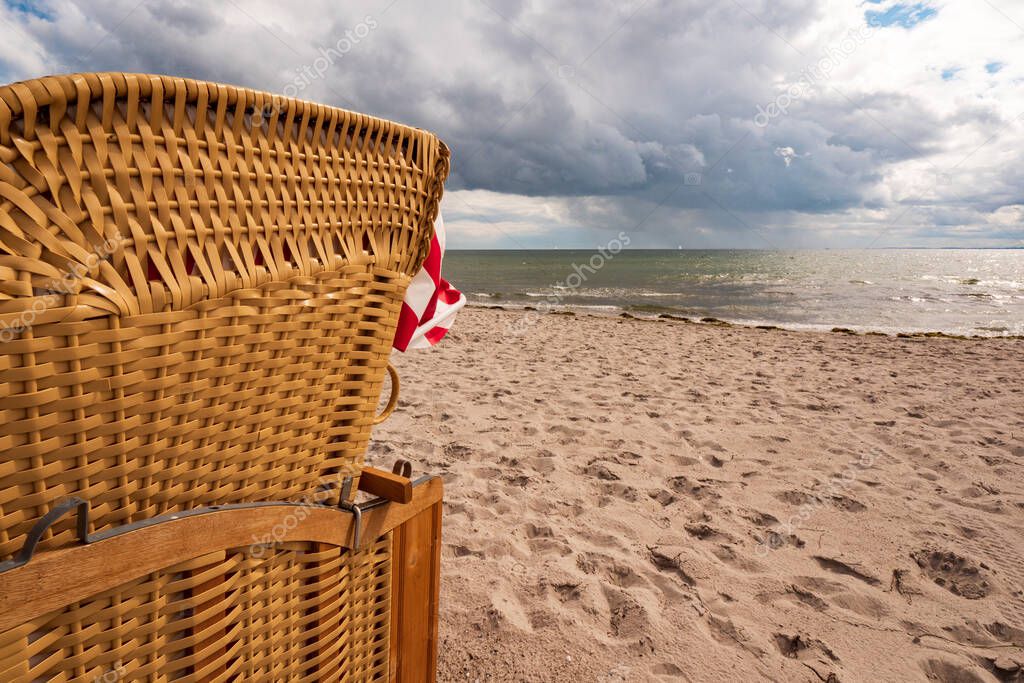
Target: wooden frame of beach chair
199 288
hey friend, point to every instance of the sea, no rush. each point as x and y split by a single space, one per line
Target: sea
957 291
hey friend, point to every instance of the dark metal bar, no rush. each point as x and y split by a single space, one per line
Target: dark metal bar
62 508
37 531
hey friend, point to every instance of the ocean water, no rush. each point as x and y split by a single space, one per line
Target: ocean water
969 292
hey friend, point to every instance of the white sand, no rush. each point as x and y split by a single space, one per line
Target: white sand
619 497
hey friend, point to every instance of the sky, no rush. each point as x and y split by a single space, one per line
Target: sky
694 124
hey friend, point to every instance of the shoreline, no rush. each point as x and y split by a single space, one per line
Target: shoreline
707 320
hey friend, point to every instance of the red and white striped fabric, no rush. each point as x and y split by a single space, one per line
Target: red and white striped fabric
430 302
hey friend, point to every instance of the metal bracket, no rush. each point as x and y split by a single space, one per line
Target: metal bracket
346 488
35 534
357 521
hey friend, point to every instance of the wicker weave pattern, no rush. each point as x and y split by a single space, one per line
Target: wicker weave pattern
235 290
304 613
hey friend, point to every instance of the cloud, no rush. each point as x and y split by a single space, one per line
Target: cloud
566 121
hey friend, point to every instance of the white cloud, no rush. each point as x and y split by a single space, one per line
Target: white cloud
566 121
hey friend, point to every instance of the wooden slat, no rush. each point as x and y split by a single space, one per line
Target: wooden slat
60 577
415 581
210 652
393 487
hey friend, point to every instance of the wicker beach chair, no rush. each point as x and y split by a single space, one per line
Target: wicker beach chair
199 288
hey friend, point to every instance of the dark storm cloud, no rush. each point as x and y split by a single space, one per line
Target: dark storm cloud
635 105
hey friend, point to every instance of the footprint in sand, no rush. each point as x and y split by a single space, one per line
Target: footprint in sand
739 560
944 670
665 498
860 603
538 531
799 646
599 471
774 540
839 567
517 480
457 451
705 532
667 669
507 610
486 473
542 546
762 519
628 458
465 551
806 597
617 489
685 485
957 574
725 630
569 432
798 498
848 504
1005 632
671 564
821 584
542 464
628 617
614 573
714 460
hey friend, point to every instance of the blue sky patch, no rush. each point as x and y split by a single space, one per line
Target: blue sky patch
907 15
948 74
31 8
994 67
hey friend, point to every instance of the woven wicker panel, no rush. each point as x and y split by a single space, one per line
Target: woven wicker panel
305 612
197 302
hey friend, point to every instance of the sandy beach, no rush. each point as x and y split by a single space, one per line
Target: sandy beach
633 500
